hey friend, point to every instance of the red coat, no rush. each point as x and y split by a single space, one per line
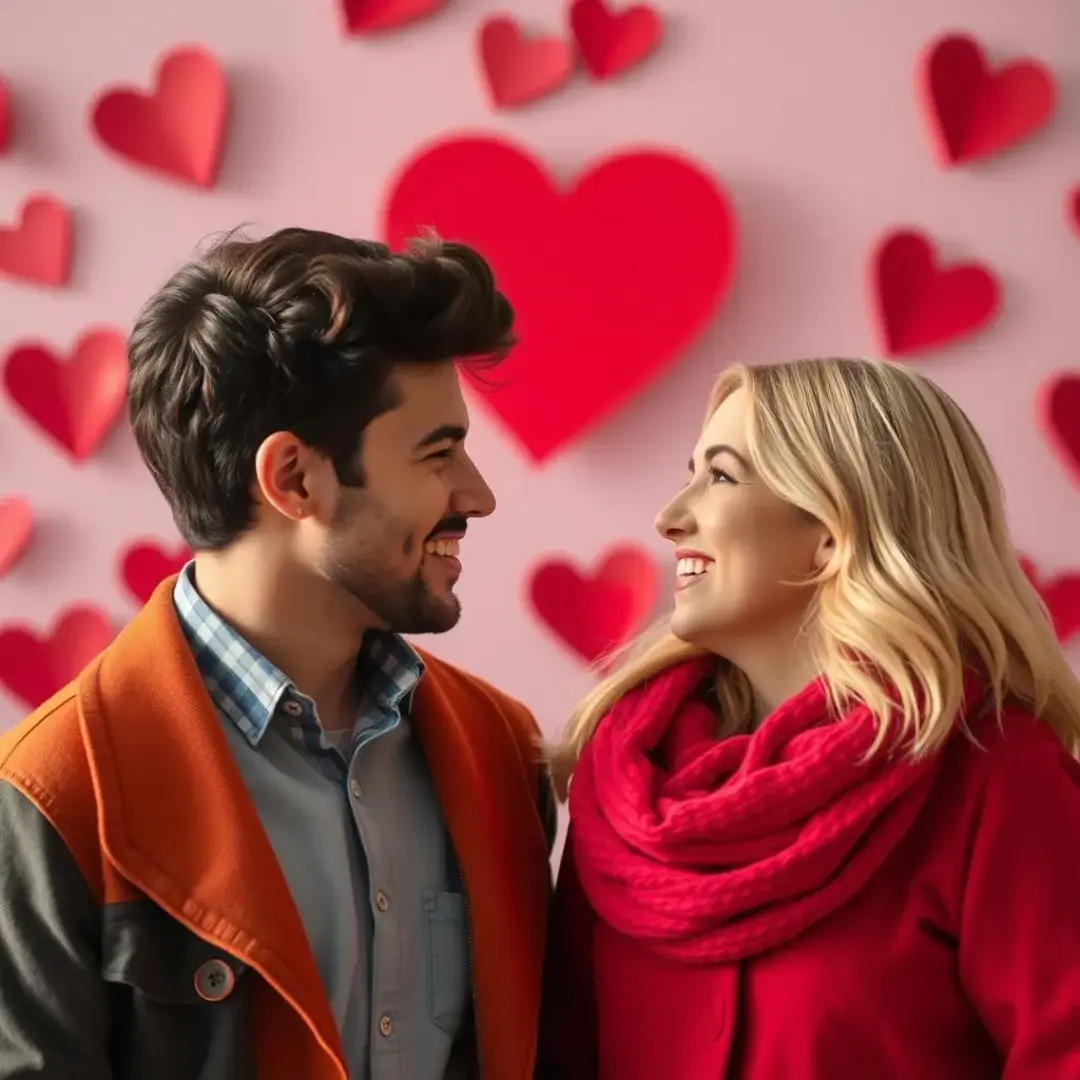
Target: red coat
959 960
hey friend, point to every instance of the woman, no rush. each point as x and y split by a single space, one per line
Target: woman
826 826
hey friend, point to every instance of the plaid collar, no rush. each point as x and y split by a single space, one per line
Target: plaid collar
251 691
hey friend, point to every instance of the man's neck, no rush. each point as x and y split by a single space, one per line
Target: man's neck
298 625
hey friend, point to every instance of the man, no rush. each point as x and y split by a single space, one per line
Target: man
262 837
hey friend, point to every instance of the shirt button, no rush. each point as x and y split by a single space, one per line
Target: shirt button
382 902
214 981
386 1027
293 708
355 790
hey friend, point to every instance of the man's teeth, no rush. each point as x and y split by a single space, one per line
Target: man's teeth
691 567
443 547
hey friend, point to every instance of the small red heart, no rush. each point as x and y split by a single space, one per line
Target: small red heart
597 320
5 116
920 306
179 129
1072 209
16 525
1061 595
39 247
34 667
595 612
975 112
75 402
609 42
367 16
1058 409
143 566
518 69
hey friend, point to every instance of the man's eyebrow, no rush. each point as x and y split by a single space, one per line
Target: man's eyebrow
443 433
720 448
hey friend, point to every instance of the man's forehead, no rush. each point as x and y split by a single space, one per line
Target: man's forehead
429 397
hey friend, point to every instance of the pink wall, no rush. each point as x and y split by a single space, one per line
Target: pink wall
805 112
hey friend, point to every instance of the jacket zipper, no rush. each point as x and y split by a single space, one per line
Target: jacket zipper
472 975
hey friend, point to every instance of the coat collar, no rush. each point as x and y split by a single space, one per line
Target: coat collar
176 821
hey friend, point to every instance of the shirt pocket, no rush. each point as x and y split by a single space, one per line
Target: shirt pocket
448 959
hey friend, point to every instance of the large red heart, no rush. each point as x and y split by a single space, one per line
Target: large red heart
920 306
596 611
611 279
1058 409
34 667
1072 209
517 69
16 525
366 16
1061 595
975 112
611 43
75 402
39 247
179 129
144 565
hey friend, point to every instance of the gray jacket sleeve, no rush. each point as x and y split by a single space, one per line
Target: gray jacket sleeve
54 1016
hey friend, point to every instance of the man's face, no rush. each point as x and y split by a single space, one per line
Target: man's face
394 543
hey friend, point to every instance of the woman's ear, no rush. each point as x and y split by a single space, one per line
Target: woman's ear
826 551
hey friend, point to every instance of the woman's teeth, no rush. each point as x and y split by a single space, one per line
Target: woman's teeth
691 567
449 548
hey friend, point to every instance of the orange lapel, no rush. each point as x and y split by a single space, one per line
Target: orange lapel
490 812
176 818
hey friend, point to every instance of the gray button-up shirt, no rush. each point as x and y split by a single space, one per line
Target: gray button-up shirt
357 830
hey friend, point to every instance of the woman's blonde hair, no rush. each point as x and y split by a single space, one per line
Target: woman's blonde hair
924 579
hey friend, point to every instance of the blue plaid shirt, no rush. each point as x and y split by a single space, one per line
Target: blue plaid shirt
252 693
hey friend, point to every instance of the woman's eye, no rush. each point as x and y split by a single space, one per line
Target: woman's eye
721 477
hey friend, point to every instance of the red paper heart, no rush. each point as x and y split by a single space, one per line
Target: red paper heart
596 611
1058 409
366 16
39 247
143 566
16 525
517 69
920 306
1072 209
178 130
975 112
34 667
611 43
5 116
600 311
76 401
1061 595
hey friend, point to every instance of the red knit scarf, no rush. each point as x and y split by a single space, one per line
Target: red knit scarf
709 850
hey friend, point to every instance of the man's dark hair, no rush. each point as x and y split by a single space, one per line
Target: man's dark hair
297 332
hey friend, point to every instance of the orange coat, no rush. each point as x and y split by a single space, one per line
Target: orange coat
130 766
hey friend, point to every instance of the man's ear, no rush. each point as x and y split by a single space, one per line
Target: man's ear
282 464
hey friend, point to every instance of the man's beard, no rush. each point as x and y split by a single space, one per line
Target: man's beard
405 607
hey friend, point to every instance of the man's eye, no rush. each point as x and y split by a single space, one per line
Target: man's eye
442 455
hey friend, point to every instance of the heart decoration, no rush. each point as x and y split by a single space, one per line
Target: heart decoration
16 526
368 16
38 248
34 667
179 129
1072 209
974 112
611 43
517 69
920 306
144 565
76 401
596 611
1061 595
1058 410
5 116
598 318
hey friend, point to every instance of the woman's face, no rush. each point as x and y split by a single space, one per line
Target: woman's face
738 545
